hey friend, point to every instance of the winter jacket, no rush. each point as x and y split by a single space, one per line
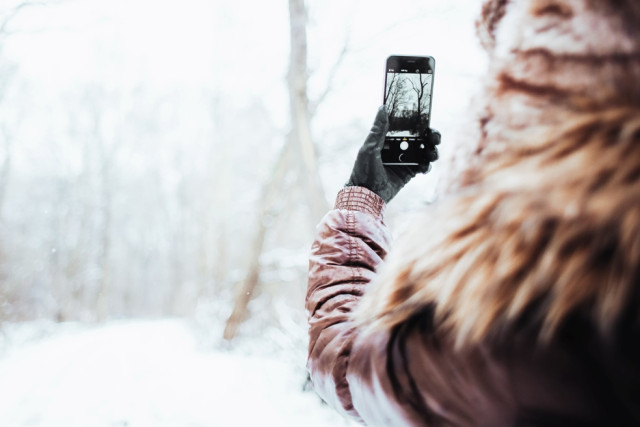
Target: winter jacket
413 374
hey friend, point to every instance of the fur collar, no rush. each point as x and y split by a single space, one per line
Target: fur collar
546 211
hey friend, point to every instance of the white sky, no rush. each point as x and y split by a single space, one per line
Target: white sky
240 49
221 43
185 42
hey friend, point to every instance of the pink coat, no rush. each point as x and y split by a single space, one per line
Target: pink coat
412 374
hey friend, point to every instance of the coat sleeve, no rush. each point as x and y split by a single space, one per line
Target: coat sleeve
350 244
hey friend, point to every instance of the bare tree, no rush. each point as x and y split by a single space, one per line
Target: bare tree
297 156
7 71
267 213
395 94
419 88
105 150
5 165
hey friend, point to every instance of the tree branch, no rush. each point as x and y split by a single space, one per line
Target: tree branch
332 75
14 12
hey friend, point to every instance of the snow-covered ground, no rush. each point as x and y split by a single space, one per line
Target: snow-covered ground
148 373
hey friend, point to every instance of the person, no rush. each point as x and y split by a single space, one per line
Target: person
512 300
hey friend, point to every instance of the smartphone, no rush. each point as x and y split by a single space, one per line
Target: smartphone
407 97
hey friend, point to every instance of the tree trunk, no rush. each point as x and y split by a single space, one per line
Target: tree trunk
5 168
299 109
106 156
270 194
104 255
222 183
298 154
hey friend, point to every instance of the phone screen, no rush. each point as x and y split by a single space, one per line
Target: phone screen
408 101
407 97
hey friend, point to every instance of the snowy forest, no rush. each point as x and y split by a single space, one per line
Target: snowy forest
407 99
165 159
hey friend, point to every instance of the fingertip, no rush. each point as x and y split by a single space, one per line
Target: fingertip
434 155
434 137
381 122
424 168
383 113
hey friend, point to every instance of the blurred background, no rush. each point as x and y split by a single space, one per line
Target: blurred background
169 160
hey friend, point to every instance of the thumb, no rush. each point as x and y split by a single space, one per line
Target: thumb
375 140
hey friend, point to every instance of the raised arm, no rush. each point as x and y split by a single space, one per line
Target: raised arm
351 243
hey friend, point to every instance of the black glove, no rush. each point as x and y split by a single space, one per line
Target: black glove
386 180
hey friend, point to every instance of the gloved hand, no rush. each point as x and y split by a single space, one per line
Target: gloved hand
386 180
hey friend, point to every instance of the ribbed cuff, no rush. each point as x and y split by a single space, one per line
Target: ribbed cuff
360 199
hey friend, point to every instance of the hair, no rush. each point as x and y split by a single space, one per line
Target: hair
554 225
545 216
492 12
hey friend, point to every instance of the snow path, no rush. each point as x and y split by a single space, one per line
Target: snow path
149 373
